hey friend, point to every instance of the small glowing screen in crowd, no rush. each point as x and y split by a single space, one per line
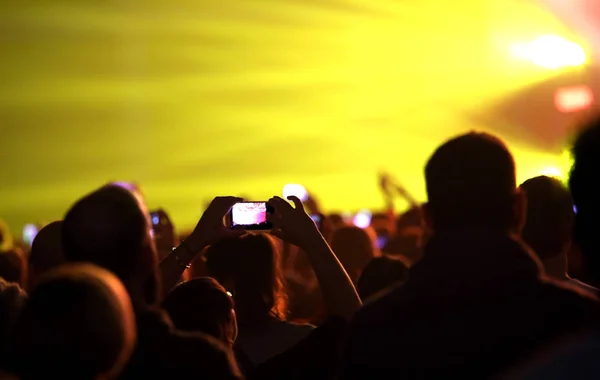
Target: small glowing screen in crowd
362 219
573 99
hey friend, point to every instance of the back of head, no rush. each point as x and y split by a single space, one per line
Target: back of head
202 304
13 266
355 248
380 274
46 250
12 300
585 187
78 323
110 228
550 216
249 267
471 183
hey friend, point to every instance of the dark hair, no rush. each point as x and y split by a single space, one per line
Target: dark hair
107 228
471 182
250 264
355 248
380 274
201 304
46 250
77 323
549 216
13 266
585 190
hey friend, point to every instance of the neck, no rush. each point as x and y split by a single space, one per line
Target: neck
556 266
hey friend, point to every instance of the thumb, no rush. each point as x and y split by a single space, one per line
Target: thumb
297 202
278 234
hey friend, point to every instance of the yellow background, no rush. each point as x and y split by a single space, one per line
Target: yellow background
198 98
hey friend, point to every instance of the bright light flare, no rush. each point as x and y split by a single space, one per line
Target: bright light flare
573 99
552 172
551 52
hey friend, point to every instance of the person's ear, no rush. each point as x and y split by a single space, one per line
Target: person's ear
426 217
519 211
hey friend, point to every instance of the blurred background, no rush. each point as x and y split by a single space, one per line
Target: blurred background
193 99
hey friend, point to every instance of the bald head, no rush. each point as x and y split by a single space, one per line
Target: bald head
110 228
46 250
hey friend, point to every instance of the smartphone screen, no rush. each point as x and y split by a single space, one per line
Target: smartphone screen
362 219
155 218
250 216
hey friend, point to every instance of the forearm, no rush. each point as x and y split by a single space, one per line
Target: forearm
341 298
173 266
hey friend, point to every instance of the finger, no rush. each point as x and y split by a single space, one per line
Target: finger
233 233
222 205
279 204
297 202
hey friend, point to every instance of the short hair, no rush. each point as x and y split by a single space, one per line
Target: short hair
107 228
46 249
550 216
380 274
13 266
201 304
584 184
470 182
252 263
355 248
78 323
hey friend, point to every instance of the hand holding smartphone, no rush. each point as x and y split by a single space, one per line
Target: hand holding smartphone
251 216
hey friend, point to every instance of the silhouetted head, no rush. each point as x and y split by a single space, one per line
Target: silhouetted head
13 266
12 300
355 248
585 190
46 251
111 228
202 304
550 216
380 274
471 184
78 323
249 267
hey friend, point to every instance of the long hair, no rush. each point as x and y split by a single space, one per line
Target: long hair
249 267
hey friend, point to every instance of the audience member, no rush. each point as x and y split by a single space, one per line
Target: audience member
381 274
13 266
111 228
355 248
549 226
46 251
249 267
475 302
202 304
78 324
12 300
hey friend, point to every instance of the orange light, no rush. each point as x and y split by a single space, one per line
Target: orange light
573 99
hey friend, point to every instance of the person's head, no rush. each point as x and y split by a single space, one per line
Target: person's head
78 323
355 248
46 251
249 267
550 214
111 228
585 187
202 304
12 300
13 266
380 274
471 183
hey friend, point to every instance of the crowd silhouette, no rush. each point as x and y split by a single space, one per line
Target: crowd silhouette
487 279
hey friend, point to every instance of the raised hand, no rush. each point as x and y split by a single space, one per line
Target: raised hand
210 228
292 223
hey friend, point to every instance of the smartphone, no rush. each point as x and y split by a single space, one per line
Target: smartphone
30 231
296 190
155 218
251 216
